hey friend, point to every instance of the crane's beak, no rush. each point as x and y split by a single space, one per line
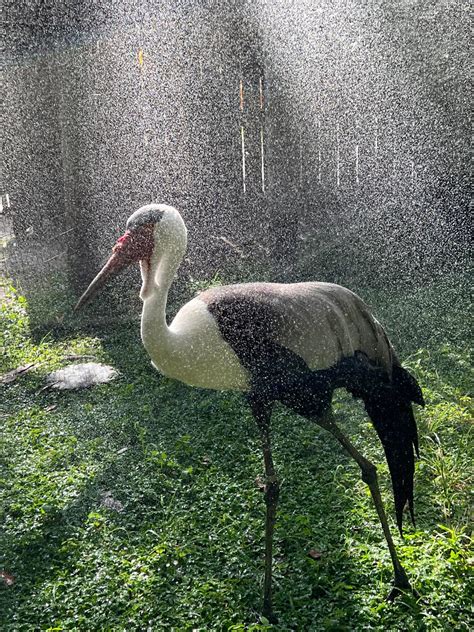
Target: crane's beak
133 246
111 269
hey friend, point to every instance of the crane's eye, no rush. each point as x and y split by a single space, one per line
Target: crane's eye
136 243
122 242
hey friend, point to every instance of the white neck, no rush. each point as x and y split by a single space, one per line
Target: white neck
157 276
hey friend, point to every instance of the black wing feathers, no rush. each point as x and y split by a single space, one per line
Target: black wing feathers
388 402
394 422
406 385
250 325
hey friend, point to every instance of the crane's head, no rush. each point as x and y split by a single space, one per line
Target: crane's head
136 244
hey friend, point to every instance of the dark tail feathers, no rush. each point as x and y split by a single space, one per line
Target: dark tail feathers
388 401
392 415
406 385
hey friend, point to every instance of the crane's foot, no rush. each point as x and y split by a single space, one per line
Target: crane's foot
401 586
267 610
270 616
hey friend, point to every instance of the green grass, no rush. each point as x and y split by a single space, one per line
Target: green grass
185 551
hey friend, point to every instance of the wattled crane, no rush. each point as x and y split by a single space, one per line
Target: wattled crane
294 343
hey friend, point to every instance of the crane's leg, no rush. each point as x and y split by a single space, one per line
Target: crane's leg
369 476
262 413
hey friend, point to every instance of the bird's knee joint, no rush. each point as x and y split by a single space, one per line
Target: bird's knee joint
369 473
272 489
